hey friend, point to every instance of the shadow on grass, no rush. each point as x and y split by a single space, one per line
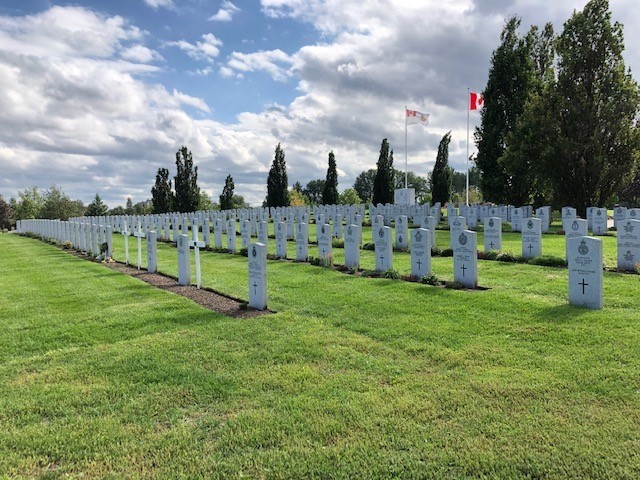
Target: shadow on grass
564 313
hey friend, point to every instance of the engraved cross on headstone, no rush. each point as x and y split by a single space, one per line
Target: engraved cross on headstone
463 268
583 284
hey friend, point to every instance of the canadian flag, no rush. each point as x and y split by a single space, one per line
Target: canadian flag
476 102
414 117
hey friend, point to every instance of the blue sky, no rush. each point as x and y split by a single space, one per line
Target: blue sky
97 95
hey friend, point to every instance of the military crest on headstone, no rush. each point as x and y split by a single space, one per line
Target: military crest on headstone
418 237
583 249
462 239
628 228
575 226
529 224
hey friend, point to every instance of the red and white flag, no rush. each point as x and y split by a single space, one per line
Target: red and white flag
413 117
476 102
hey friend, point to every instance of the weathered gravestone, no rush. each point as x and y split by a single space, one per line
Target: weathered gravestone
531 237
628 243
492 233
184 265
383 249
152 251
576 228
257 255
465 259
420 252
585 272
352 236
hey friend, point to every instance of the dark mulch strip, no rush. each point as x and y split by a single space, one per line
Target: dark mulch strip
205 297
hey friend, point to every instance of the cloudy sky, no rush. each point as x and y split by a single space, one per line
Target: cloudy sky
96 95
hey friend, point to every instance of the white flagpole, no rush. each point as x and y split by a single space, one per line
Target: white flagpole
405 147
468 107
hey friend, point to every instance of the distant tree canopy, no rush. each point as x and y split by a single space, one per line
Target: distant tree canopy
349 197
313 191
277 181
330 191
187 192
364 184
383 183
6 214
53 204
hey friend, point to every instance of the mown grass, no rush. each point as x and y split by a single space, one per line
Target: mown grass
103 376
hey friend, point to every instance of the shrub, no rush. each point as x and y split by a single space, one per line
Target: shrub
436 251
368 246
430 279
548 261
391 273
67 245
337 243
244 252
506 257
446 252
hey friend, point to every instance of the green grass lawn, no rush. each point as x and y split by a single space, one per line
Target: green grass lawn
103 376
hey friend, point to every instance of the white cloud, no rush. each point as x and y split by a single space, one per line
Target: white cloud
160 3
226 12
269 61
207 49
140 53
194 102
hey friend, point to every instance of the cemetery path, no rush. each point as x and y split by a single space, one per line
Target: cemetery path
205 297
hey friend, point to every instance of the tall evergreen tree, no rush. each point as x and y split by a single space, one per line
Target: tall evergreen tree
186 182
161 194
277 181
596 145
96 208
511 77
330 191
226 199
383 183
129 207
441 176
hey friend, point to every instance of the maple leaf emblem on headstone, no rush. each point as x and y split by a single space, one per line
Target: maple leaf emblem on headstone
629 256
628 228
418 237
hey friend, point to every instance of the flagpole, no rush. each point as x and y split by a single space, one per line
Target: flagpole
405 147
468 107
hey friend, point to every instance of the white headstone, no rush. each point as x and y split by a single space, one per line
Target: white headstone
184 264
263 232
568 216
420 252
197 245
457 225
516 219
325 246
402 231
152 252
531 237
352 236
281 239
465 259
619 216
599 221
302 241
492 233
231 235
139 234
257 255
628 244
585 272
383 249
576 228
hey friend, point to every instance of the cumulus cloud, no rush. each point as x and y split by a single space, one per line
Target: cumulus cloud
226 12
160 3
140 53
275 62
207 49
